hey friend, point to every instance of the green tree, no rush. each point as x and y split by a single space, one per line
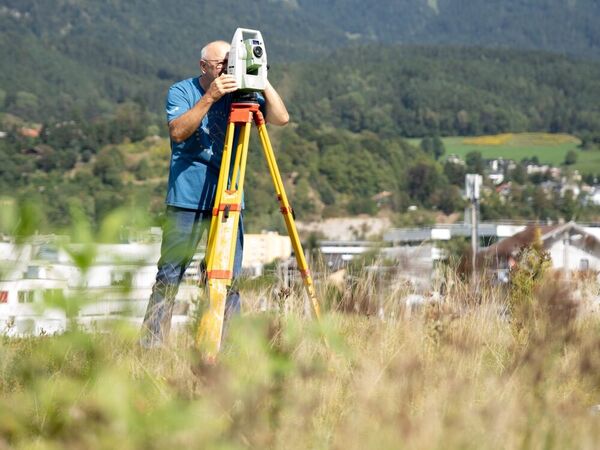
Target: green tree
475 162
143 171
449 199
571 158
455 173
423 179
109 165
26 104
519 173
541 204
438 147
427 145
302 197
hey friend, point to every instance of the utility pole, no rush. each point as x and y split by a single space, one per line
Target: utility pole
472 187
566 249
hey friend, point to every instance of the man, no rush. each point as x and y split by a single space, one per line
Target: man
197 111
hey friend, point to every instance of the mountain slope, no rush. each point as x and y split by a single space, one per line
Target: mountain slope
569 27
61 56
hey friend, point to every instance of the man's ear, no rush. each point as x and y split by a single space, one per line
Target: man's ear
202 70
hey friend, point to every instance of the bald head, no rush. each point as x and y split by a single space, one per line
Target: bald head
216 50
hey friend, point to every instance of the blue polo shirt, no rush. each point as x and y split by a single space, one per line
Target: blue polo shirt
195 162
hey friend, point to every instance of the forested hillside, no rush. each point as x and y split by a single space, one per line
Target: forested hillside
419 91
93 76
567 26
345 144
85 55
59 56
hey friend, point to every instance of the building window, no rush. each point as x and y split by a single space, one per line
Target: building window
26 296
3 296
121 278
584 264
53 295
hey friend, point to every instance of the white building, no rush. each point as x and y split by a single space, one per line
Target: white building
264 248
43 272
571 248
594 195
118 281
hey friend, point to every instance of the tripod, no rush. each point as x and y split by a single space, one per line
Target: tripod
226 212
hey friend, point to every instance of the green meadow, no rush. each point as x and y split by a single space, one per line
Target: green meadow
548 148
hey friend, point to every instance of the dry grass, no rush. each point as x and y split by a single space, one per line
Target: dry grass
452 374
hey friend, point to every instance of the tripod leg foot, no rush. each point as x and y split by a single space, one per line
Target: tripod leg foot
209 334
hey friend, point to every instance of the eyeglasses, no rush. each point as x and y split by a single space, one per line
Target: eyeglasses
219 63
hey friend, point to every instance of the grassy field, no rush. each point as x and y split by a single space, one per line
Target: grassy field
549 148
453 375
507 368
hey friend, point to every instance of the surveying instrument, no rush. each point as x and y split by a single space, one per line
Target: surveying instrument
248 64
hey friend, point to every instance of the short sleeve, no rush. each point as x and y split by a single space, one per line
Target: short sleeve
177 102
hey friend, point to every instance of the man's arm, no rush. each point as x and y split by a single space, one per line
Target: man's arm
276 111
184 126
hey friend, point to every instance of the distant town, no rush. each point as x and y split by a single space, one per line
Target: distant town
43 273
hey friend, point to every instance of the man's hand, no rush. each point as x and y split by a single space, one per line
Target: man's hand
222 85
183 126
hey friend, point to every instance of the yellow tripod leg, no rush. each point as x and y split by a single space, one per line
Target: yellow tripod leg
286 210
224 226
222 244
221 184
